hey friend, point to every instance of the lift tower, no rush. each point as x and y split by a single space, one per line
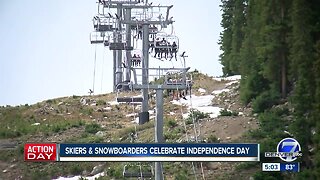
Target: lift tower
180 83
145 16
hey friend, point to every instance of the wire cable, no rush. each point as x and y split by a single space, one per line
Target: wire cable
102 68
94 67
196 134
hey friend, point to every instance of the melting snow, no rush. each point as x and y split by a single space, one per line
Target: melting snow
79 177
230 83
136 120
230 78
131 115
216 92
201 90
113 103
200 103
107 108
196 101
152 111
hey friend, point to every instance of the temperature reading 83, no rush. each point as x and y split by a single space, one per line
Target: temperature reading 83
290 167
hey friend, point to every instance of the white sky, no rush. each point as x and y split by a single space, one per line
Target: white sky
45 50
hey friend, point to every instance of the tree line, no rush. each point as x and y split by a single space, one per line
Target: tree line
275 46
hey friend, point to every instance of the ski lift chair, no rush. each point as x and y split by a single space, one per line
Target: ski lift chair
174 79
153 29
167 44
97 37
119 46
126 85
138 172
136 57
129 99
103 24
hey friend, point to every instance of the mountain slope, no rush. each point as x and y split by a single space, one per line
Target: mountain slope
99 119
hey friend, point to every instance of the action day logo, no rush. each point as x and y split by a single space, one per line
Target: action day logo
288 149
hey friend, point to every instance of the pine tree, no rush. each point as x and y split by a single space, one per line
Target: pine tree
238 25
226 35
273 48
252 81
280 47
316 113
301 54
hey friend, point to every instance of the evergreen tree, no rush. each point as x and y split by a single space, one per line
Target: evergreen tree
238 25
273 48
226 35
271 43
302 59
252 81
316 115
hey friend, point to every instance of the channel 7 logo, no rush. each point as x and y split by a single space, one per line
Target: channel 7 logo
288 150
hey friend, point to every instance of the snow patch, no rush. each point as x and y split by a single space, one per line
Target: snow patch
230 83
112 103
201 90
107 108
136 120
152 111
79 177
172 113
197 101
131 115
200 103
229 78
216 92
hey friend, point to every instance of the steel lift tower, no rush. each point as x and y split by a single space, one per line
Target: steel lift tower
142 15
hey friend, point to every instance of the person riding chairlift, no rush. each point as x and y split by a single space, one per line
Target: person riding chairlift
163 49
138 60
174 50
157 49
134 60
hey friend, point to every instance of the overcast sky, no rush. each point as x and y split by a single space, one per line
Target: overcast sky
45 50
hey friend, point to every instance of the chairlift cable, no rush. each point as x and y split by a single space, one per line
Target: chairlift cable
196 135
94 66
182 63
136 134
140 171
185 128
172 64
172 30
102 67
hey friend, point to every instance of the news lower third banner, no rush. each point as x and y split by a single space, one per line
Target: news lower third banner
142 152
159 152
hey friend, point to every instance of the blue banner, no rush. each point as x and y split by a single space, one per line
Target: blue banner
159 152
